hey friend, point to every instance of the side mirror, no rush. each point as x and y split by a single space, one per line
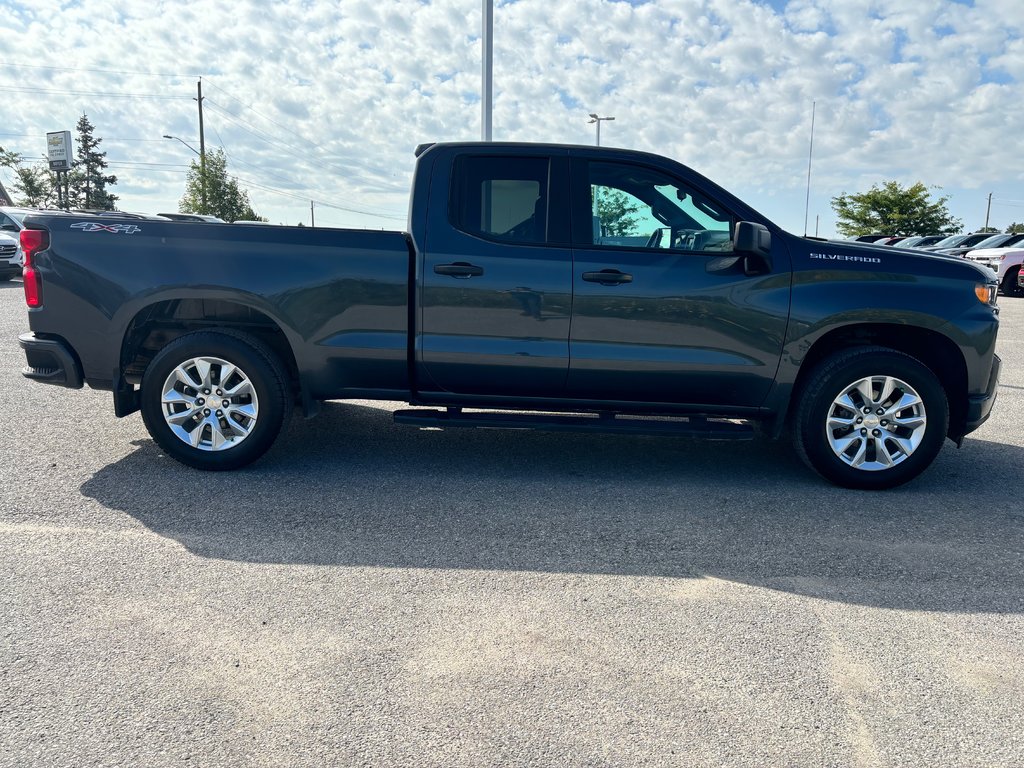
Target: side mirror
754 243
9 228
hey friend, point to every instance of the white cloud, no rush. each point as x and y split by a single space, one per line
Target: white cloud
327 100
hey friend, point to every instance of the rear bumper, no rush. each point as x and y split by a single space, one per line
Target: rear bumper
980 406
50 361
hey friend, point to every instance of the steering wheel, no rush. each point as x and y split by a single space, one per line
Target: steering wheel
654 241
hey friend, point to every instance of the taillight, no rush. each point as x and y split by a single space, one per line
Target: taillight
33 241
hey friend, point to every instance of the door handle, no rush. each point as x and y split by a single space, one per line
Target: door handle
460 269
608 277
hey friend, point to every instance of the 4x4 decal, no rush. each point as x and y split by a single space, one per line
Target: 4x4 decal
95 226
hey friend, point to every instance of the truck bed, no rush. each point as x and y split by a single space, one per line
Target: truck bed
340 297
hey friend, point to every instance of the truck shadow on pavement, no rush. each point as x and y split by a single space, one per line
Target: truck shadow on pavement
350 488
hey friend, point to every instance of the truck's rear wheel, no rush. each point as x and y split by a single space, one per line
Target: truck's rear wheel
215 400
871 418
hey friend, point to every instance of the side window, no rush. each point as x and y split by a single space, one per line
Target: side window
639 207
501 198
7 223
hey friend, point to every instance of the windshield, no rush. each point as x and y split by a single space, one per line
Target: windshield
18 216
950 242
992 242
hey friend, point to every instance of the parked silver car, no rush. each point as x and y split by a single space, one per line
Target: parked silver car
10 257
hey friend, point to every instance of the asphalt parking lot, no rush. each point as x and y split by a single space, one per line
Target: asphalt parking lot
369 594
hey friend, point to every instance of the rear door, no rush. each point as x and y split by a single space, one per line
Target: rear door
663 311
495 276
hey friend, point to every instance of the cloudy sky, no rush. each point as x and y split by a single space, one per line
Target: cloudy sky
321 100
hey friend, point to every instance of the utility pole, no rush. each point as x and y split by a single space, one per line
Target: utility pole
487 92
988 209
312 220
202 147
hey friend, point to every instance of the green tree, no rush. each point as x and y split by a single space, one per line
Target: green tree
224 198
35 185
1014 228
87 182
993 230
893 210
9 159
616 212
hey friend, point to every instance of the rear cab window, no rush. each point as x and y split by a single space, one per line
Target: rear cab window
505 199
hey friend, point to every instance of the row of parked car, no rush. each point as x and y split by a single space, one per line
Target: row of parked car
1003 252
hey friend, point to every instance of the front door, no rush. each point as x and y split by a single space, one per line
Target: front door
662 310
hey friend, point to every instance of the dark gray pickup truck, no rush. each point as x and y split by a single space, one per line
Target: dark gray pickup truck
539 286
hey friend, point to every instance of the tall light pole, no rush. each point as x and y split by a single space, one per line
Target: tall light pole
486 91
202 170
596 119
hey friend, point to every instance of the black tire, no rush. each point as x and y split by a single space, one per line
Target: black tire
815 408
258 366
1009 285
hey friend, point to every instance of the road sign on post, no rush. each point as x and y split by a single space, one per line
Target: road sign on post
59 150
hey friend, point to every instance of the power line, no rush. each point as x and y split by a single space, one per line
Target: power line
269 120
88 69
107 94
146 162
272 142
272 138
322 203
102 138
257 132
137 169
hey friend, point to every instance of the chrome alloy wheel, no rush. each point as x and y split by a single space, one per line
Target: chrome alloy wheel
209 403
876 423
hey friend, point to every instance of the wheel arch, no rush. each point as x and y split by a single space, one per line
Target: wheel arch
935 350
160 322
1008 282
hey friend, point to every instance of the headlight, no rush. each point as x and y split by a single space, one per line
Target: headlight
986 293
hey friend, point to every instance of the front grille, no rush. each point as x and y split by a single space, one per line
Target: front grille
8 250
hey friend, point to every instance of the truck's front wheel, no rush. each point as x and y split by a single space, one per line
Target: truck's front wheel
1009 286
870 418
214 400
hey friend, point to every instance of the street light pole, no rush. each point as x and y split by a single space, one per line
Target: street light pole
183 142
202 169
596 119
487 90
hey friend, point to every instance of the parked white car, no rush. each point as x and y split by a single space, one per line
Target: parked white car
1005 262
11 219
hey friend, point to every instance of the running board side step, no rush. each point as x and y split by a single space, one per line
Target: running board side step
692 426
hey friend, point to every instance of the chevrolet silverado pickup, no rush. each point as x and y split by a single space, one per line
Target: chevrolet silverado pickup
538 286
